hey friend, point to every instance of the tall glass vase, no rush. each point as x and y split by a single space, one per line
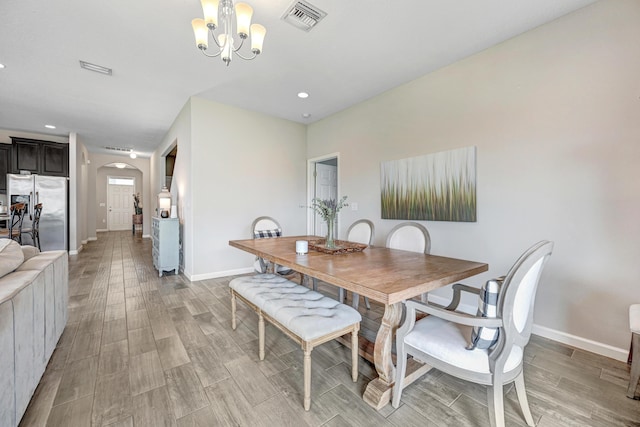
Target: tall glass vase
330 243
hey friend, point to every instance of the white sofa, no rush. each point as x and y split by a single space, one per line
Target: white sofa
33 313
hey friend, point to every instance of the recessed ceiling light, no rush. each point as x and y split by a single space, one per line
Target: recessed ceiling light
1 66
133 155
306 115
50 126
120 165
303 95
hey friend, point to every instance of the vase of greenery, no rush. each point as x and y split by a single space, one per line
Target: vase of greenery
136 204
328 210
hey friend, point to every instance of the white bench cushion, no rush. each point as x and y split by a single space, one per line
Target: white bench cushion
306 313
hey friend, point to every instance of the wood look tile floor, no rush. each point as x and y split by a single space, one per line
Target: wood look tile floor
140 350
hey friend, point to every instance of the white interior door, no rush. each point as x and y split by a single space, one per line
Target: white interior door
120 207
326 188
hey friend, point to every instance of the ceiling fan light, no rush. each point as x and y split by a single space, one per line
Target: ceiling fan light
243 17
257 38
201 33
210 11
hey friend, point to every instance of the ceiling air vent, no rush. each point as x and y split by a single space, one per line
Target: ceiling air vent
303 15
126 149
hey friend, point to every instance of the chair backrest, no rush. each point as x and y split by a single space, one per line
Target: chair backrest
409 236
361 231
17 217
35 224
517 296
267 225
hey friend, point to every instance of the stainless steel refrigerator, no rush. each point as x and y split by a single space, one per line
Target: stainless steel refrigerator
51 191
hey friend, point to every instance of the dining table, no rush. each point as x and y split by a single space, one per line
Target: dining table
388 276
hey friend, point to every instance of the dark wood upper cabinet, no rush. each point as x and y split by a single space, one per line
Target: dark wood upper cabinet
5 162
39 157
25 156
54 159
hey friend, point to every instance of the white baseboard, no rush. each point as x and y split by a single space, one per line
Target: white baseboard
606 350
102 230
92 239
146 236
215 275
76 252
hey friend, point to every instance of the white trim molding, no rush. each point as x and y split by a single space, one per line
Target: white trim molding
217 274
582 343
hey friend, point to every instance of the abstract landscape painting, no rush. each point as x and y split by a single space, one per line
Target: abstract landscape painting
433 187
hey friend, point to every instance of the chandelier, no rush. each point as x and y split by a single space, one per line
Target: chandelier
222 11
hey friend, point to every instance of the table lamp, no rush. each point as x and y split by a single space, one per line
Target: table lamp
164 202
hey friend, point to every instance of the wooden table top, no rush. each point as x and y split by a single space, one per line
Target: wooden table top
382 274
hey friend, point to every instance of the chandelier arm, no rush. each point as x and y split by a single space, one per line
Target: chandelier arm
241 43
209 55
215 39
245 57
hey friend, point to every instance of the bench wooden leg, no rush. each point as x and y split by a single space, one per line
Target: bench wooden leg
261 335
307 376
233 310
354 353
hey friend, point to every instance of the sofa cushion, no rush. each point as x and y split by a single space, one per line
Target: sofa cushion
12 283
29 251
11 256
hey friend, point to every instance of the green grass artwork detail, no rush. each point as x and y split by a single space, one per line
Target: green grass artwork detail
434 187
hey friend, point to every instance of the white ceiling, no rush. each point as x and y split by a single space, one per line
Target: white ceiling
362 48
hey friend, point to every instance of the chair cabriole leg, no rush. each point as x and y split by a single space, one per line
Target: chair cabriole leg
233 310
522 398
496 405
354 353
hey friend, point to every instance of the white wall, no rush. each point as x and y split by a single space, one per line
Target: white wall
78 193
244 165
556 119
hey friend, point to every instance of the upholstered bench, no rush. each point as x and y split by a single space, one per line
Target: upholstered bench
306 316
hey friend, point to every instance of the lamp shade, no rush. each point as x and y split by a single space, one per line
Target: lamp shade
243 17
164 200
257 37
210 11
201 33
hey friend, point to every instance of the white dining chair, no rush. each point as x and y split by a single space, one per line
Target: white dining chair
453 342
361 231
410 236
265 227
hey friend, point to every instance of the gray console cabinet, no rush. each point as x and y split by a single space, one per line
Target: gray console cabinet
164 232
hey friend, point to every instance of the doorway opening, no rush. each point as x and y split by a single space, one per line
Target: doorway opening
323 179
